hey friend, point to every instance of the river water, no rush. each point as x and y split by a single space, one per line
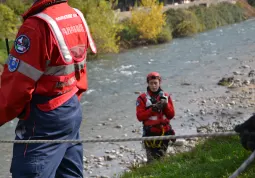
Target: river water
201 61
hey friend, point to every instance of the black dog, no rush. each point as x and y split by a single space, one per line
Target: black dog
247 133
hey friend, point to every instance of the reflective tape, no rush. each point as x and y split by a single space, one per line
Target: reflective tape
29 71
91 41
64 69
59 36
153 118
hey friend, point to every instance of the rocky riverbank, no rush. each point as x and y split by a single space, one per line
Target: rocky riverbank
229 109
232 108
191 70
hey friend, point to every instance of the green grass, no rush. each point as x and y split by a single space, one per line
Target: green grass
215 158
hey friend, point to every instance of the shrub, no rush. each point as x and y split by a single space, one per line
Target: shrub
218 15
183 22
8 21
165 35
18 6
102 23
128 35
149 19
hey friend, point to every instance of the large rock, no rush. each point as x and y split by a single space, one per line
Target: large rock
110 157
252 81
226 81
180 142
237 73
245 66
251 73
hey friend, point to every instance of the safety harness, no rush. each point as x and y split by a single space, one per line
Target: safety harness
152 143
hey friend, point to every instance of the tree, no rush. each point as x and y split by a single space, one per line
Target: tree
18 6
102 22
9 22
149 20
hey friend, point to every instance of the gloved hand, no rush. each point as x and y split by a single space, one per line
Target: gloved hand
164 103
246 132
163 99
157 107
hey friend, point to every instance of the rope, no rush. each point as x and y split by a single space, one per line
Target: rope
124 139
235 174
243 166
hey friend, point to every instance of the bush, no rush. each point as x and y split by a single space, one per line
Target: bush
228 13
218 15
147 25
129 32
208 18
128 35
238 13
19 7
102 23
148 20
165 35
183 22
8 21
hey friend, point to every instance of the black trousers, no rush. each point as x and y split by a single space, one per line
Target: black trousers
155 149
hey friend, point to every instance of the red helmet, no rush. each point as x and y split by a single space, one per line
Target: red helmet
153 75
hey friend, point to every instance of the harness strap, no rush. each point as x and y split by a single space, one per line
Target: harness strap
152 143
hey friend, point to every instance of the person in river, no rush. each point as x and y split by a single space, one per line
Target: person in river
42 83
155 109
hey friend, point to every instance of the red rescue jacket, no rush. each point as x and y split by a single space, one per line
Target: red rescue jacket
48 59
157 120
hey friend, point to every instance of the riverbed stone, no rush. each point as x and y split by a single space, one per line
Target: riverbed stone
180 142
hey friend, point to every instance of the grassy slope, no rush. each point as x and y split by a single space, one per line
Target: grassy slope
215 158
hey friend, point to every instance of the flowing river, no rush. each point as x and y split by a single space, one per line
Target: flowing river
109 104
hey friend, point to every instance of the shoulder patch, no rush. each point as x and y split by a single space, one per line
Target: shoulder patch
137 102
22 44
13 63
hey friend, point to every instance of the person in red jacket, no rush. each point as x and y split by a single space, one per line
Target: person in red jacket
42 84
155 110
